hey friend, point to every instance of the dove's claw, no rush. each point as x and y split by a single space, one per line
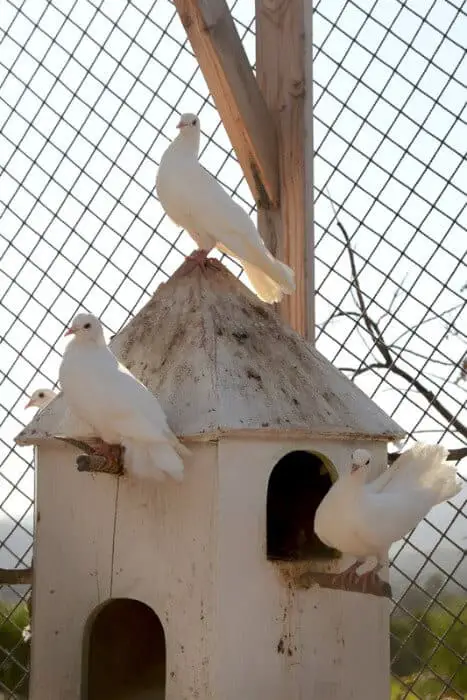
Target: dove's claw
199 258
349 576
112 453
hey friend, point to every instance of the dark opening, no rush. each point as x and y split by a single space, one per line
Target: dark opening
297 485
125 655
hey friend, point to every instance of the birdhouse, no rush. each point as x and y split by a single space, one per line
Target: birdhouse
216 587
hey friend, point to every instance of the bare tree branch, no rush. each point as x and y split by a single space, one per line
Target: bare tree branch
388 360
371 325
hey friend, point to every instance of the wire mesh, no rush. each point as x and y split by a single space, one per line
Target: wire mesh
89 93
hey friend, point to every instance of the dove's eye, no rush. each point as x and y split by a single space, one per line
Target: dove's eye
193 123
367 461
87 325
41 394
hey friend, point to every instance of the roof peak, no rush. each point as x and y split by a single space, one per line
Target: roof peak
222 361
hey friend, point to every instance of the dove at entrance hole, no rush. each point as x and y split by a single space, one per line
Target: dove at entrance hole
101 392
195 200
40 398
364 519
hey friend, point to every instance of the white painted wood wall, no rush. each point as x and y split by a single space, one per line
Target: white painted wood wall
196 554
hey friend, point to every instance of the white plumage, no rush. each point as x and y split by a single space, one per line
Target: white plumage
194 200
364 519
119 408
40 398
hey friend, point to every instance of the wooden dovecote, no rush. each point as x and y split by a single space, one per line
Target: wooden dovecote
213 568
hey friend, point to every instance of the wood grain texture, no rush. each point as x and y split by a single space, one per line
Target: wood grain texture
15 577
283 642
284 74
72 567
226 69
165 554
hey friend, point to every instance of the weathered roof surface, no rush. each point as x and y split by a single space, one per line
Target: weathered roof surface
220 360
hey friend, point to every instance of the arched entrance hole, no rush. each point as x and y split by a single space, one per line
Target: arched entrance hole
297 485
124 653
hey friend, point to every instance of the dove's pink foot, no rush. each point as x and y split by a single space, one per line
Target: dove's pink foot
371 578
199 258
112 453
347 577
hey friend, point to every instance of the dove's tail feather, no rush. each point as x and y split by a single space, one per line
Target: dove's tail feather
423 467
180 449
153 460
270 286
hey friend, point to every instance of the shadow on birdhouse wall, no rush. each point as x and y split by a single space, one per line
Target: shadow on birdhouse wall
124 653
297 485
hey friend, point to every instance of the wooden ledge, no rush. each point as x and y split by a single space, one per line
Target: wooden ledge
357 584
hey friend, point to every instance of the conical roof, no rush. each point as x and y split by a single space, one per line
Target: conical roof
221 361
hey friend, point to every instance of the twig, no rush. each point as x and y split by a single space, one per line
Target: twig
372 326
77 443
15 577
434 317
360 370
431 398
424 357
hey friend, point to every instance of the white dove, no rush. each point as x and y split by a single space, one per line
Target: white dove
101 392
40 398
195 201
365 519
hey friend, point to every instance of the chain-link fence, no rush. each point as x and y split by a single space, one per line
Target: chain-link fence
89 97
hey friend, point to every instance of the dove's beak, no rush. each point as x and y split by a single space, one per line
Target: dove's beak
29 404
181 124
69 331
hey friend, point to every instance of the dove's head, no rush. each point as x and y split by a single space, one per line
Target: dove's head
188 138
87 329
188 122
40 398
361 460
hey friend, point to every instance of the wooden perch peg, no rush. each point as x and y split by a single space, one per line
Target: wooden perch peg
99 456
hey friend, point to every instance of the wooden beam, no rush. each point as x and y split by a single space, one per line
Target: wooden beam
226 69
15 577
284 74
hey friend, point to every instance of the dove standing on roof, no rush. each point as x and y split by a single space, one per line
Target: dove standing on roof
120 409
194 200
364 519
40 398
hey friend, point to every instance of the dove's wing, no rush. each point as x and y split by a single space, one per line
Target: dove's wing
106 395
227 222
134 411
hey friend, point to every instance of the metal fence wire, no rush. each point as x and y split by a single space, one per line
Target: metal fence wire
89 96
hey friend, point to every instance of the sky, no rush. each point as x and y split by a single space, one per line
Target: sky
90 93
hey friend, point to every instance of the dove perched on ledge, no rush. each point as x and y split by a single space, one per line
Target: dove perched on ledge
101 392
194 200
40 398
364 519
